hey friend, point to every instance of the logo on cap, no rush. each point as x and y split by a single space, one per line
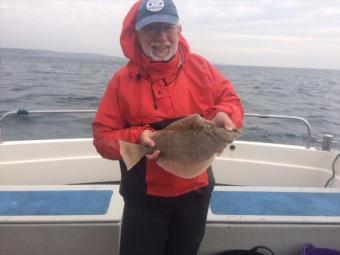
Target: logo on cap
154 5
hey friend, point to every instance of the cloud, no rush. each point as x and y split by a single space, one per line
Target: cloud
63 25
218 29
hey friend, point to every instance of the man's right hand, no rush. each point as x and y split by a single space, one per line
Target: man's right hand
146 140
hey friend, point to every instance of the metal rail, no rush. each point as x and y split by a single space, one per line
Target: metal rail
25 112
308 126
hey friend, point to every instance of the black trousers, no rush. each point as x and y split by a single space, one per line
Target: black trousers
167 227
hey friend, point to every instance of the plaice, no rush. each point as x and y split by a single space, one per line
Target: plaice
187 146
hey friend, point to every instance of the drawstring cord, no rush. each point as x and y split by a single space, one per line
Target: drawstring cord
155 105
140 76
173 79
166 83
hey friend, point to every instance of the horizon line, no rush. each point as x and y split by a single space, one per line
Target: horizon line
216 63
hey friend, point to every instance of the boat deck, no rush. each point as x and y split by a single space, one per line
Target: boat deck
36 216
228 203
62 219
273 204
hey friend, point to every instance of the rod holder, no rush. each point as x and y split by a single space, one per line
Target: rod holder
327 142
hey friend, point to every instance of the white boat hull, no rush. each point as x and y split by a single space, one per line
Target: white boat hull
74 161
41 165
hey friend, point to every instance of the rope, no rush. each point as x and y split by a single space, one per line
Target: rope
333 170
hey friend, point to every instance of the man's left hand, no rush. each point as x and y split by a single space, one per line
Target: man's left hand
222 119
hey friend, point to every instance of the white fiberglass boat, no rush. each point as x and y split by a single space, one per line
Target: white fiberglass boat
60 197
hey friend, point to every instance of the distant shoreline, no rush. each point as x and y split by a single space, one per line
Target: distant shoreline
51 53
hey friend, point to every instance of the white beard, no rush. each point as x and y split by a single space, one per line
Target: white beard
154 57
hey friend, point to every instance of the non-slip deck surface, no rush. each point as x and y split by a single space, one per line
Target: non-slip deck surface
46 203
275 203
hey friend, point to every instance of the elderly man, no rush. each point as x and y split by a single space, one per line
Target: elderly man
162 82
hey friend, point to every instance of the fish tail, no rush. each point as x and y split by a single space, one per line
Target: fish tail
131 153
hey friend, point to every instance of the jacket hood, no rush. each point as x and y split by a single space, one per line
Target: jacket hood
129 44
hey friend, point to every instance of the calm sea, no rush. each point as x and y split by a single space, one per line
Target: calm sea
38 80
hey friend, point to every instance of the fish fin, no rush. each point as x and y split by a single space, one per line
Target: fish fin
185 171
230 136
219 153
237 133
131 153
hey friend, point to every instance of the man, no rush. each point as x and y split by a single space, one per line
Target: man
162 82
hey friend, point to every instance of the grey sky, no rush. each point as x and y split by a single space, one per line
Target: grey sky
293 33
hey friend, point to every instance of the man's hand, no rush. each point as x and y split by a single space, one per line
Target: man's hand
222 119
146 140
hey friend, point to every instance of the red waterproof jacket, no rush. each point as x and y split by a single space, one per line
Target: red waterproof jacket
143 93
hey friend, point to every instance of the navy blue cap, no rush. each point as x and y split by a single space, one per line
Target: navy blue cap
152 11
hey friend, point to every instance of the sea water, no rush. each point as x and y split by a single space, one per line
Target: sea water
38 80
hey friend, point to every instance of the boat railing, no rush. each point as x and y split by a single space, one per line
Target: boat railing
287 117
25 112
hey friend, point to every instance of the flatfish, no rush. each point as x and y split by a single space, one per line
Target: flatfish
187 146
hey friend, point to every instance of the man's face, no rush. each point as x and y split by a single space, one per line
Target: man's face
159 41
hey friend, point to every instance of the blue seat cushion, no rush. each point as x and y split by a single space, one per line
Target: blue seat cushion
275 203
74 202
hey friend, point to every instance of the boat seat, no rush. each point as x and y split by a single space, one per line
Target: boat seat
278 204
62 202
275 202
74 219
281 218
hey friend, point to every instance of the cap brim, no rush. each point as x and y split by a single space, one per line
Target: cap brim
165 18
